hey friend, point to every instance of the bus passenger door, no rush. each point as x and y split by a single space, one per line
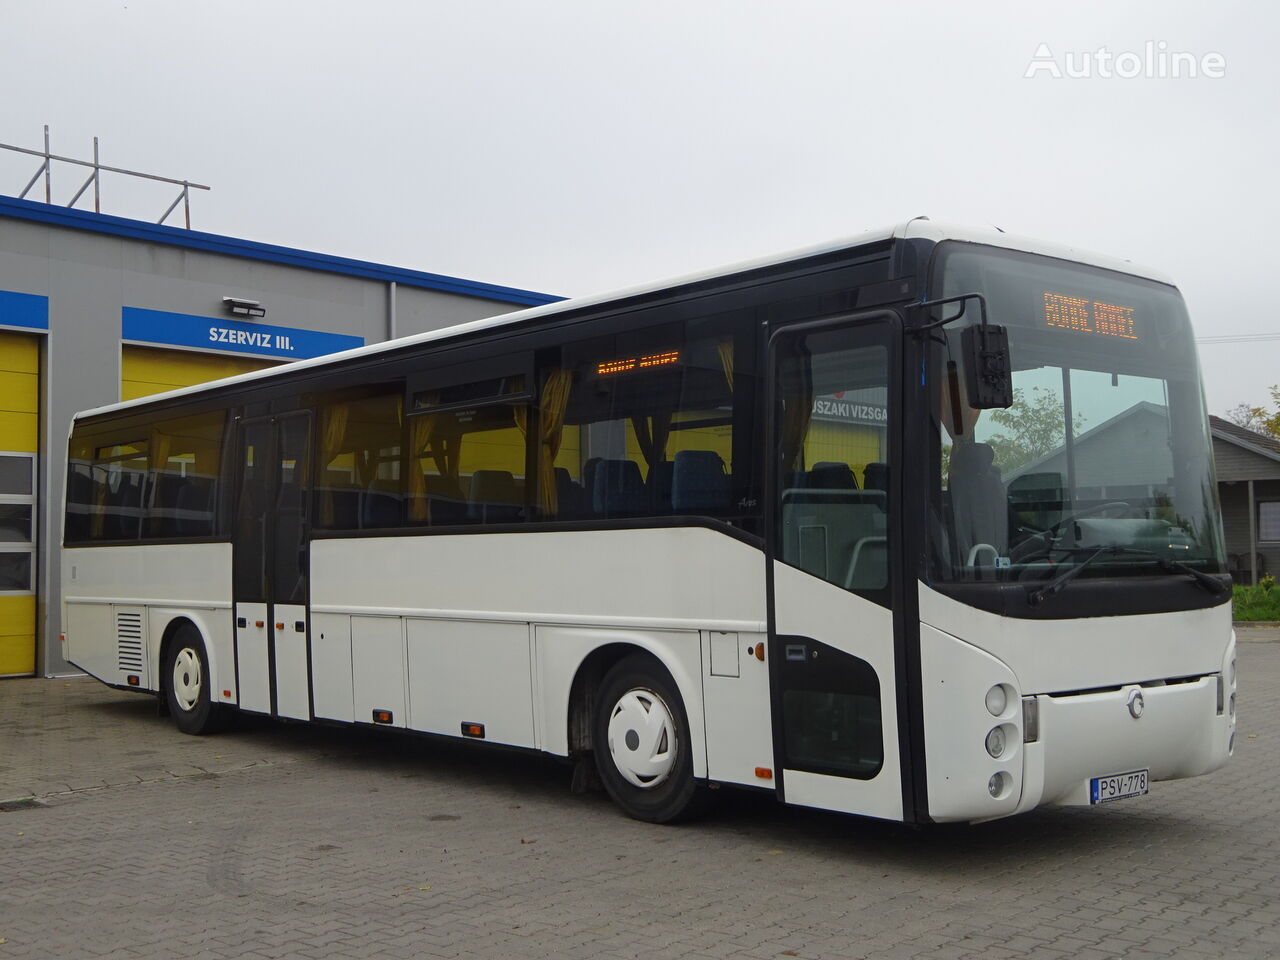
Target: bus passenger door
270 566
834 464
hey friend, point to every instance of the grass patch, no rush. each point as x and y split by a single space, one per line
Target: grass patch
1256 603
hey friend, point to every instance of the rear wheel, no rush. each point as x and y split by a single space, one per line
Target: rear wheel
186 683
641 739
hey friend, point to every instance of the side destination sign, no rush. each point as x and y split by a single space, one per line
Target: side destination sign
231 336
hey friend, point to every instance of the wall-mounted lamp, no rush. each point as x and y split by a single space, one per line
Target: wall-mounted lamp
244 308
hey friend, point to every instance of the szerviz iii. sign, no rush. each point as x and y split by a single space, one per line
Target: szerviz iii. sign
851 408
231 336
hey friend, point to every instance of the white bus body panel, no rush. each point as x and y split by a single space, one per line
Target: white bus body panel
470 601
162 582
253 657
289 634
467 672
1082 734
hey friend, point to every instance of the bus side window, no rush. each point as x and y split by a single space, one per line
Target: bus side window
647 427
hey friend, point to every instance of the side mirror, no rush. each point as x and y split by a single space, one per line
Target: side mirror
987 372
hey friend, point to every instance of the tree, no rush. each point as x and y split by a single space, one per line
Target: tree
1033 427
1258 419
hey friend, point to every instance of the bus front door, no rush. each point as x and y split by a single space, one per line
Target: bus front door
269 568
834 464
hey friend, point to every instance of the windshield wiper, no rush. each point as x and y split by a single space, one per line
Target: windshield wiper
1036 597
1212 584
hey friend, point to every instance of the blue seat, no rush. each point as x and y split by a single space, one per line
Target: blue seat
618 489
875 476
699 482
832 476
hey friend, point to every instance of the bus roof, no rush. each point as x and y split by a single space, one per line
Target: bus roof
916 228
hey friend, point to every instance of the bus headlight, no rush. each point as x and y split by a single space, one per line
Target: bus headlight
999 784
996 741
997 700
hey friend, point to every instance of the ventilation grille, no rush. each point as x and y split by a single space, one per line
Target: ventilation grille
129 642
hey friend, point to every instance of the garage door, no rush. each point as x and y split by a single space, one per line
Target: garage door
19 442
144 370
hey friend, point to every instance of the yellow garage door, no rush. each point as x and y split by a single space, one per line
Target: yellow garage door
19 443
144 370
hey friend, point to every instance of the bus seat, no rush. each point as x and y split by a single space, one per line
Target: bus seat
830 475
875 476
379 508
699 482
494 498
978 498
570 499
619 489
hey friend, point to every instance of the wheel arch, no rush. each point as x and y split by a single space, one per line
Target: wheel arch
683 667
172 628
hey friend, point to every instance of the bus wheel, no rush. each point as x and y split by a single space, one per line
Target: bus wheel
641 742
186 683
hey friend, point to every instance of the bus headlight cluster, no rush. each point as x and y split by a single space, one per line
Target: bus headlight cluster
995 742
997 700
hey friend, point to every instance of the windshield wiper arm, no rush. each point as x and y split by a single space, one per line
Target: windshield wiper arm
1035 597
1212 584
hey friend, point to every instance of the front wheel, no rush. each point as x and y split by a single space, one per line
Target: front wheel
641 739
186 684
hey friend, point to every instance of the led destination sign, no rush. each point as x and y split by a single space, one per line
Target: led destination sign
631 364
1082 315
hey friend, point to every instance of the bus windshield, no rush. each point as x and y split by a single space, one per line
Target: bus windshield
1104 455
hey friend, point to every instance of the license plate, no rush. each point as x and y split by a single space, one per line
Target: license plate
1119 786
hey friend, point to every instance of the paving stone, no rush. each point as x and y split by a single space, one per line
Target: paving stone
281 841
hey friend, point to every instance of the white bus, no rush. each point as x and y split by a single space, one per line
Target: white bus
919 526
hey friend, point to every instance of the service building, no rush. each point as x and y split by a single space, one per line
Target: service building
95 309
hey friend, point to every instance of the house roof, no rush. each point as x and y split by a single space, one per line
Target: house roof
1251 440
249 249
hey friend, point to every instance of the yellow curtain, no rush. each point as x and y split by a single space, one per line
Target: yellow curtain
420 428
652 433
336 416
726 361
555 400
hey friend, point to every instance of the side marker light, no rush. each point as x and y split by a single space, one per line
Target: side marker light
764 773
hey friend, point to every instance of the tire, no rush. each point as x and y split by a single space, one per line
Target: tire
186 684
640 735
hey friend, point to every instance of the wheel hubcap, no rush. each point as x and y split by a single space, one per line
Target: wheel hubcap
642 738
187 679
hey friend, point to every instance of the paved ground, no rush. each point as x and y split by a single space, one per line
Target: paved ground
288 841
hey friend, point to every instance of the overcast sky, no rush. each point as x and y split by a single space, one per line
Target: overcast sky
575 147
